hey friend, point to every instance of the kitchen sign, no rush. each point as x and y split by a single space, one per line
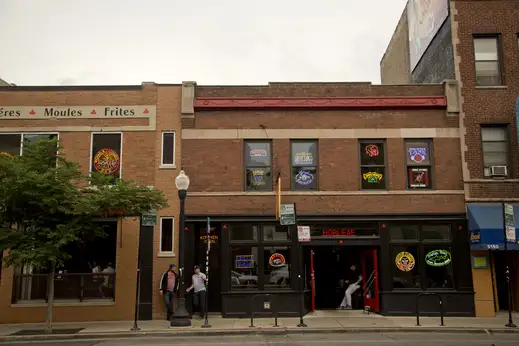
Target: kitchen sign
76 112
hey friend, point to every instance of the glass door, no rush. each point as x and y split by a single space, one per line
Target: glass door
370 280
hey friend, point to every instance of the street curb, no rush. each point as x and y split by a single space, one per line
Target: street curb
189 332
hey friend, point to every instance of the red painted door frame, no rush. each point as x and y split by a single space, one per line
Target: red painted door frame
312 278
374 300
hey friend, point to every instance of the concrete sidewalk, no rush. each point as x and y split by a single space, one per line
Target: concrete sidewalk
320 322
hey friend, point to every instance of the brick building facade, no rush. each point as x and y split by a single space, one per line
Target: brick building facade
477 42
345 155
137 122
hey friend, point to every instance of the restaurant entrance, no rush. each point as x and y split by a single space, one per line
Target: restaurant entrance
330 272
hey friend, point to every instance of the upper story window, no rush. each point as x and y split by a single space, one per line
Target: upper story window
168 149
167 235
258 165
12 144
373 165
106 153
304 165
495 145
418 156
488 62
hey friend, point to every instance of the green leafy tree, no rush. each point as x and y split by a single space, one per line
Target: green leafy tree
47 203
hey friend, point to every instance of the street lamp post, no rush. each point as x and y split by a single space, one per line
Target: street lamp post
181 317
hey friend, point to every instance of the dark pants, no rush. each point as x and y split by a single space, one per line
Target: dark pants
200 300
168 301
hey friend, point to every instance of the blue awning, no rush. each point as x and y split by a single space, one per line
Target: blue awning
485 223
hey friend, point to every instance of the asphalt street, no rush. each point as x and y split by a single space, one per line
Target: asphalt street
351 339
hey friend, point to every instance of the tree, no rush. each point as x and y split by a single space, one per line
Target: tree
47 203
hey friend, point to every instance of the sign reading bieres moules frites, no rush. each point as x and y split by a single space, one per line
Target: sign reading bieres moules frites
77 112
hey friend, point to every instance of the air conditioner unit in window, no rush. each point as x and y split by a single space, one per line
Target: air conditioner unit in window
498 171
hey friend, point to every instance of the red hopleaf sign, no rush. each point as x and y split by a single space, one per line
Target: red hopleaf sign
338 232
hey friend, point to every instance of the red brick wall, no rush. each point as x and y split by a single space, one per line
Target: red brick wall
216 166
488 105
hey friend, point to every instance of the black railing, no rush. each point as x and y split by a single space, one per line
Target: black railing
418 306
67 286
271 306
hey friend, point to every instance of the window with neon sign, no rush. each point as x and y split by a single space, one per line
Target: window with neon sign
372 165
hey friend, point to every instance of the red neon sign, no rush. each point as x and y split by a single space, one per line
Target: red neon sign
338 232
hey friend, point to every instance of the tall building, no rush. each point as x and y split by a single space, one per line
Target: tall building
476 43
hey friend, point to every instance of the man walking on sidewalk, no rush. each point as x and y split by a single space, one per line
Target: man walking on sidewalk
168 288
198 285
352 279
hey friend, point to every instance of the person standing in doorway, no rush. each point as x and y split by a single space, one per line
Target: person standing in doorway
353 279
198 285
168 288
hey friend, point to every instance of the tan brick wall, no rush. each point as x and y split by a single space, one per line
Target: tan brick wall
141 157
168 106
121 309
394 66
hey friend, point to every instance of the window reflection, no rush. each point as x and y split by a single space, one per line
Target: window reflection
277 266
244 267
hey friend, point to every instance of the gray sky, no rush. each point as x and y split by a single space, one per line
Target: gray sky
68 42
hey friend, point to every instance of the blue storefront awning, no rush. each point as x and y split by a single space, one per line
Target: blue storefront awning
485 223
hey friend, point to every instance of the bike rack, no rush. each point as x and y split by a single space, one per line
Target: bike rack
273 307
418 306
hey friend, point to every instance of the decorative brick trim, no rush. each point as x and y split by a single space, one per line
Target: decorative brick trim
201 103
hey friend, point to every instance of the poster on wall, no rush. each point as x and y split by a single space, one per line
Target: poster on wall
303 233
425 17
418 178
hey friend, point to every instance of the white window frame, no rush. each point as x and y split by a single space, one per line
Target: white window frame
506 131
92 147
22 134
168 165
499 61
172 252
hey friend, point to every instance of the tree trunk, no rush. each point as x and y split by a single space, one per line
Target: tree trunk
50 298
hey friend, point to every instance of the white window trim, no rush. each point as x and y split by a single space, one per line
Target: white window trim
92 147
30 133
168 165
172 252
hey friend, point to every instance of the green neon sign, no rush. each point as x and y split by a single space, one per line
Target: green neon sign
438 258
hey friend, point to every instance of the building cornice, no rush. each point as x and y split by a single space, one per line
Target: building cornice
210 103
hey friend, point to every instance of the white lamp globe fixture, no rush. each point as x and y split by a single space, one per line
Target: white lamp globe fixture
182 181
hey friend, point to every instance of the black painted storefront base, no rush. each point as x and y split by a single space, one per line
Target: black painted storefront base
286 304
455 303
237 304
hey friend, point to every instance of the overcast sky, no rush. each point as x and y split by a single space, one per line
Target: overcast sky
71 42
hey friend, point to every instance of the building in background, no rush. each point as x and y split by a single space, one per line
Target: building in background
136 128
475 42
374 172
